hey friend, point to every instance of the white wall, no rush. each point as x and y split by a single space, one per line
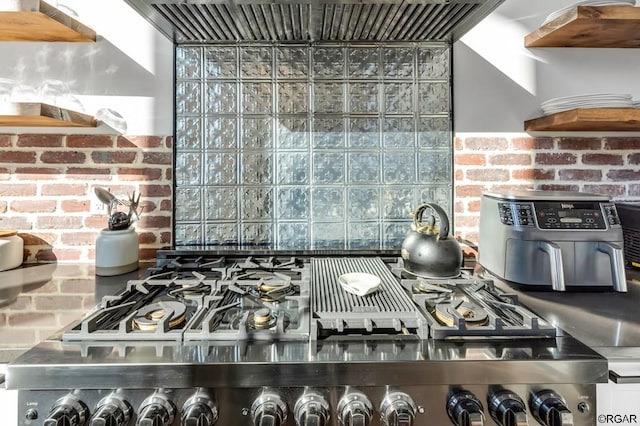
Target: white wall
499 83
128 70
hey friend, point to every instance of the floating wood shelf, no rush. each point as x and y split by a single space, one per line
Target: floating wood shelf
590 26
35 20
42 115
588 120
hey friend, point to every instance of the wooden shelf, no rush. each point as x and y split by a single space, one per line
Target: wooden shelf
589 26
42 115
588 120
35 20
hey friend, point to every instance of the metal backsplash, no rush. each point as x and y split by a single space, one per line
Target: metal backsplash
312 145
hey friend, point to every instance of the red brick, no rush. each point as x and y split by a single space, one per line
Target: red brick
634 158
147 222
469 190
139 142
529 144
75 206
488 175
157 158
558 187
603 159
67 254
486 144
78 238
458 144
59 222
467 221
458 207
168 175
17 190
37 173
5 174
38 140
57 302
3 206
459 175
510 160
87 173
146 237
609 190
168 142
590 175
33 206
623 175
13 222
166 206
634 190
555 158
90 141
64 189
139 173
165 237
150 190
18 157
148 206
626 144
533 174
470 160
474 206
5 141
148 253
576 144
96 222
113 157
63 157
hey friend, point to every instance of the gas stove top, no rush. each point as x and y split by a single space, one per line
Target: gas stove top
271 338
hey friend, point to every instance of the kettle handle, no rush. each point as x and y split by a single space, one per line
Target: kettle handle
442 218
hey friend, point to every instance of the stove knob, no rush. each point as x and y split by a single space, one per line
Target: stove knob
464 409
397 409
112 410
549 409
269 410
507 408
311 410
156 410
67 411
355 409
199 410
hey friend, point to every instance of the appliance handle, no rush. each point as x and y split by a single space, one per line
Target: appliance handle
555 264
622 380
616 258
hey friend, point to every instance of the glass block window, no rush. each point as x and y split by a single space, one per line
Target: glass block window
322 146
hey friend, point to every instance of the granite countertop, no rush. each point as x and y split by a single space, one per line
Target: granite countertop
37 300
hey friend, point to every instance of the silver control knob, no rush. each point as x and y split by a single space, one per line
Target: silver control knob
354 409
199 410
507 408
112 410
311 410
397 409
67 411
550 409
156 410
464 409
269 410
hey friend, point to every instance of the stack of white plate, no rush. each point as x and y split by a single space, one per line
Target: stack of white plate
636 103
559 12
598 100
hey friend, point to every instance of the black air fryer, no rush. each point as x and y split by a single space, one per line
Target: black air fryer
630 220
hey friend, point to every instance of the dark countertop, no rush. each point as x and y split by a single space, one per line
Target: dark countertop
37 300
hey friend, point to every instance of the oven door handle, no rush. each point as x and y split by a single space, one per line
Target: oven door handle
622 380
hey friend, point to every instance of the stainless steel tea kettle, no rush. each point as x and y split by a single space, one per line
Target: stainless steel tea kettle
428 252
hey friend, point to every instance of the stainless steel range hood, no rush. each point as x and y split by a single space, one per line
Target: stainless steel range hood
202 21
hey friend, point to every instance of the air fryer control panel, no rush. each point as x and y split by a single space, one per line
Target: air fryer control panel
559 215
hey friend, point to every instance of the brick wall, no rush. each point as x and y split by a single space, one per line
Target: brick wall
46 190
609 166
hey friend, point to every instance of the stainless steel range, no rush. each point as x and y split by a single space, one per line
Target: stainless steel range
271 338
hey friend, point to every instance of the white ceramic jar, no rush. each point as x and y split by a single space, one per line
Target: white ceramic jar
11 250
116 252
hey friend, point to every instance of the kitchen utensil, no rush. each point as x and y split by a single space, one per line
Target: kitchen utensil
11 250
429 252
